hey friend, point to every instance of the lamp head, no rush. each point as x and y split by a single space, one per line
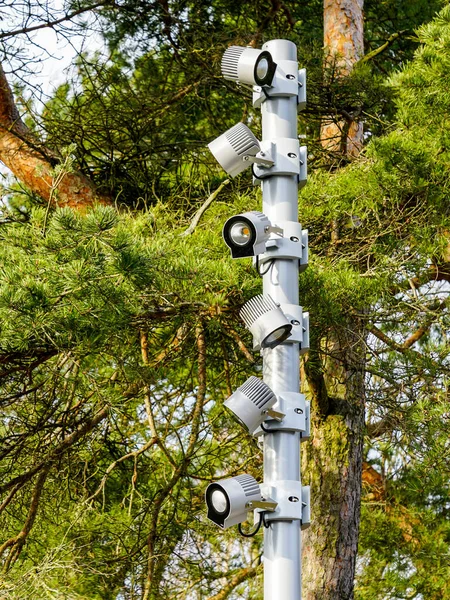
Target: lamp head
266 321
230 148
246 234
248 65
227 500
250 403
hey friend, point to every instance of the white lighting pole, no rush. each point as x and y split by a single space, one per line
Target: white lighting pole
281 365
275 409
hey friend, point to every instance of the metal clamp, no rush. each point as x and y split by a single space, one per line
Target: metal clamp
294 314
293 502
285 153
267 504
304 346
292 405
305 254
293 160
293 244
306 434
303 175
287 82
263 158
284 85
301 101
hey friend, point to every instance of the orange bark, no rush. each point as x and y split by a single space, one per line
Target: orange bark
32 163
373 484
344 46
374 489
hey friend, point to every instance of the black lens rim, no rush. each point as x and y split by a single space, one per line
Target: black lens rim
213 514
236 418
287 331
272 66
244 250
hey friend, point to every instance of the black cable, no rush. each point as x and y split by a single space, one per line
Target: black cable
255 531
265 429
261 273
254 174
258 269
266 525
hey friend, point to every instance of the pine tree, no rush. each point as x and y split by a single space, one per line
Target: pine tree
119 337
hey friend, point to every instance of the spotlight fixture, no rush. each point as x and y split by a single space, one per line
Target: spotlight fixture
246 234
230 148
251 403
248 65
228 501
266 321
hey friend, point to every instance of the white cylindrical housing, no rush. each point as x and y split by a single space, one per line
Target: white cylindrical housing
266 321
227 500
230 148
250 403
248 65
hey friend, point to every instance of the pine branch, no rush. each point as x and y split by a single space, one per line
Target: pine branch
391 39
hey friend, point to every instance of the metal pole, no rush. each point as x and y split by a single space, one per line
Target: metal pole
282 539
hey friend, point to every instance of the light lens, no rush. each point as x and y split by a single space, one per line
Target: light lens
219 501
240 233
262 68
279 335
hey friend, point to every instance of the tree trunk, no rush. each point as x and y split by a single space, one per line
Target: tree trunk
34 165
333 459
344 45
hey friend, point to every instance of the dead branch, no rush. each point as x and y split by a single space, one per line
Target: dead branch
147 403
151 442
181 468
69 441
414 337
16 543
203 208
201 389
242 347
51 24
10 496
240 577
424 328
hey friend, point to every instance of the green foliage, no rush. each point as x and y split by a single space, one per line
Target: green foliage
141 119
73 304
115 311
